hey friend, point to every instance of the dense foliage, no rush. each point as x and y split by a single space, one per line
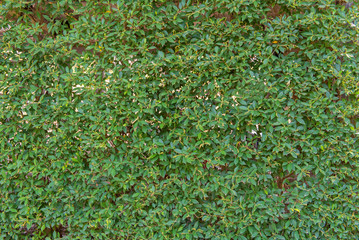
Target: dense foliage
144 119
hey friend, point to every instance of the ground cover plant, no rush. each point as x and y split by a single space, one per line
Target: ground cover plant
183 119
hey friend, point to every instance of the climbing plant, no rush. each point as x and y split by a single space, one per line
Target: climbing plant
184 119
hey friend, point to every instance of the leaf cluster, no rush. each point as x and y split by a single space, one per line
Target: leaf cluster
183 119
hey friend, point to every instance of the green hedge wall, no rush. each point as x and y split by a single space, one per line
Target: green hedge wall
144 119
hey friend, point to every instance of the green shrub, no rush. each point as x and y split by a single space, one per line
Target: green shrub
143 119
